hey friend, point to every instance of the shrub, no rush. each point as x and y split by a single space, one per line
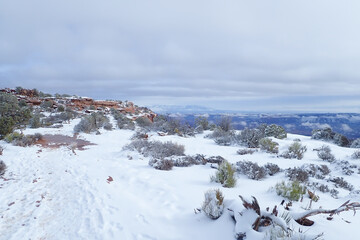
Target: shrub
139 135
12 114
108 126
222 137
297 174
161 164
92 123
143 122
346 167
47 105
291 190
13 136
316 171
213 205
276 131
1 150
2 167
156 149
18 139
268 145
186 161
245 151
124 123
356 155
341 140
215 159
295 150
251 170
61 108
342 183
324 153
272 169
35 121
225 175
355 143
251 137
323 134
202 122
225 123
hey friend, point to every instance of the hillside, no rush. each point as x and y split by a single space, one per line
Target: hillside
96 186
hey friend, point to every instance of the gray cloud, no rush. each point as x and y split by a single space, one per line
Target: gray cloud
245 55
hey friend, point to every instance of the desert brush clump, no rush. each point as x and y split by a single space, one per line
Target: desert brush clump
292 190
295 150
12 114
161 164
356 155
225 175
324 153
251 170
122 121
327 134
272 169
223 138
297 174
157 151
342 183
92 123
2 167
144 122
276 131
21 140
268 145
213 205
245 151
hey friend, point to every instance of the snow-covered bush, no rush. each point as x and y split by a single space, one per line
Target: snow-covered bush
139 135
355 143
297 174
316 171
292 190
251 137
251 170
108 126
202 122
268 145
346 167
156 149
342 183
225 123
272 168
225 175
47 105
295 150
35 121
341 140
2 167
276 131
215 159
1 150
245 151
92 123
356 155
18 139
223 138
143 122
325 134
123 122
325 154
186 161
161 164
213 205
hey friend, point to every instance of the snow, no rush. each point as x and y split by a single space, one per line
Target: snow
56 194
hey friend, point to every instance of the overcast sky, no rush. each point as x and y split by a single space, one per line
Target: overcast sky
299 55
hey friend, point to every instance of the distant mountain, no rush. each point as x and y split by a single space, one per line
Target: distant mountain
177 109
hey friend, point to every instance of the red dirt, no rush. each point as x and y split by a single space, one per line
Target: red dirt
56 141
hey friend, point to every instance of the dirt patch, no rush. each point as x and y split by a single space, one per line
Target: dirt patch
58 140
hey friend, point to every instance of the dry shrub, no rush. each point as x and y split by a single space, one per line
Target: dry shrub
213 205
2 167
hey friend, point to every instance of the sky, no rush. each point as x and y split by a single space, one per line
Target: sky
260 56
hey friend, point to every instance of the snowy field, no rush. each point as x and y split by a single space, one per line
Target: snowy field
58 194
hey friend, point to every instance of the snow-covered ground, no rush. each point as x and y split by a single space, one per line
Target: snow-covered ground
58 194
